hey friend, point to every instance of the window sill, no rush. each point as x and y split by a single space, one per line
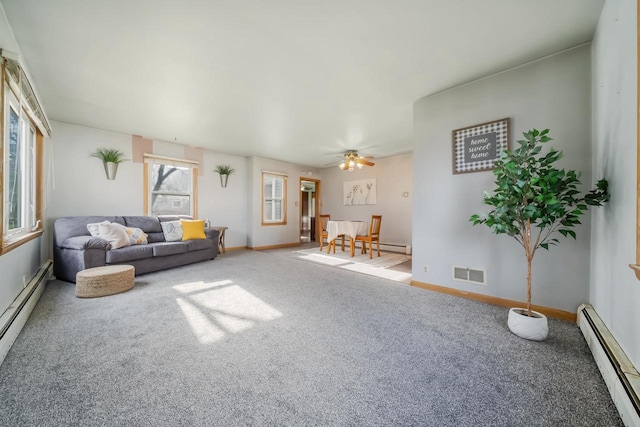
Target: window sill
15 242
273 223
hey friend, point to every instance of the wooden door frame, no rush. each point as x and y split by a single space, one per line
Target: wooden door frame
318 204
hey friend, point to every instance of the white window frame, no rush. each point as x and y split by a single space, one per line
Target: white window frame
265 197
28 169
192 166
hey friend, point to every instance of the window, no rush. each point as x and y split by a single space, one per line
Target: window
20 191
170 186
274 196
21 150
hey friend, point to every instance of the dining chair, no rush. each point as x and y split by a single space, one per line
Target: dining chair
374 235
324 219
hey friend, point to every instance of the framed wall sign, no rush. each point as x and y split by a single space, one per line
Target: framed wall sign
476 148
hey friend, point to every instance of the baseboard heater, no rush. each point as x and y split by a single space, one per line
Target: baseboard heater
621 377
389 247
14 317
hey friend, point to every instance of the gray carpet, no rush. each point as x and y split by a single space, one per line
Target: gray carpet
258 339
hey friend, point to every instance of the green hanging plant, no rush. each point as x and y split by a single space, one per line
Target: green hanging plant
109 155
224 169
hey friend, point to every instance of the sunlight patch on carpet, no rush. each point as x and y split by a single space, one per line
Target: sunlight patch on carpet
214 310
378 266
384 273
186 288
324 259
385 260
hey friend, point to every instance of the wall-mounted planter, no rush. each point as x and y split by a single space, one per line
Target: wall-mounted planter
224 171
110 169
110 157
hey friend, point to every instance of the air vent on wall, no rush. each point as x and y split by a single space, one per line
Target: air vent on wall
469 275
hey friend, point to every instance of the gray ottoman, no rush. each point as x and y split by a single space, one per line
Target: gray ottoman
102 281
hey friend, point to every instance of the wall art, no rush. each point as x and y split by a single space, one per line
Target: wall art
360 192
476 148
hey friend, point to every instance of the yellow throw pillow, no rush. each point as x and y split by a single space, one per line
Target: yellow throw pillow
192 229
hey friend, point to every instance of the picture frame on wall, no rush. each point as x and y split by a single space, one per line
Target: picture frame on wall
476 148
360 192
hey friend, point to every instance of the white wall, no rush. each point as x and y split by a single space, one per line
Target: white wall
81 187
272 235
615 292
27 259
394 176
552 93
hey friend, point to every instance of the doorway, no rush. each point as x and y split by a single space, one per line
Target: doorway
309 204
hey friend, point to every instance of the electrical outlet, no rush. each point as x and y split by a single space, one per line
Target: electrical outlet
426 268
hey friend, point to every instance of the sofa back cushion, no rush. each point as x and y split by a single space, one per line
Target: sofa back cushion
155 237
72 226
148 224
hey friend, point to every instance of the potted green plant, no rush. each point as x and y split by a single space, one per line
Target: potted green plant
110 157
533 202
224 171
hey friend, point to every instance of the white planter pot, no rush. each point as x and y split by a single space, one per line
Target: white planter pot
533 328
224 178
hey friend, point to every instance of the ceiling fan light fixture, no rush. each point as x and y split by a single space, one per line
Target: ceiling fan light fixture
351 159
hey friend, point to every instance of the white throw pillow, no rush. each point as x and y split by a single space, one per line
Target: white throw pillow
172 231
93 228
114 234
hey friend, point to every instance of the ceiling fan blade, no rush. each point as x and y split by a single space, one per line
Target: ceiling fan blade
364 162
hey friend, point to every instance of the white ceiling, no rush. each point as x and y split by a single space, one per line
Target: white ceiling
299 81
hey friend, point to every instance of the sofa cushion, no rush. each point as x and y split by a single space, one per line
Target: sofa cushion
155 237
136 236
129 253
172 231
192 229
169 248
114 234
77 226
196 245
148 224
94 228
84 242
166 218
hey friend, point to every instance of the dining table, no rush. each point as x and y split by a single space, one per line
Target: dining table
337 228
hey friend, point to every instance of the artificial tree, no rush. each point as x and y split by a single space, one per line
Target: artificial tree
533 199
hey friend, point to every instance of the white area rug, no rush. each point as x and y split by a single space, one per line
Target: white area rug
385 260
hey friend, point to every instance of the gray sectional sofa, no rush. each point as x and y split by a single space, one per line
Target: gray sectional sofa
75 249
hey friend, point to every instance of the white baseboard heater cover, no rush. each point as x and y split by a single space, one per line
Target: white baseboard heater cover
621 377
14 318
389 247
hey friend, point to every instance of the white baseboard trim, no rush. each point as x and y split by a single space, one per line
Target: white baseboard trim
621 377
15 317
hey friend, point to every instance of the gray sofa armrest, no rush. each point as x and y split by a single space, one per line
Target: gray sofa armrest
85 242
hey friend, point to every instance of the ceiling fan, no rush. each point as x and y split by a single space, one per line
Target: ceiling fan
352 159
